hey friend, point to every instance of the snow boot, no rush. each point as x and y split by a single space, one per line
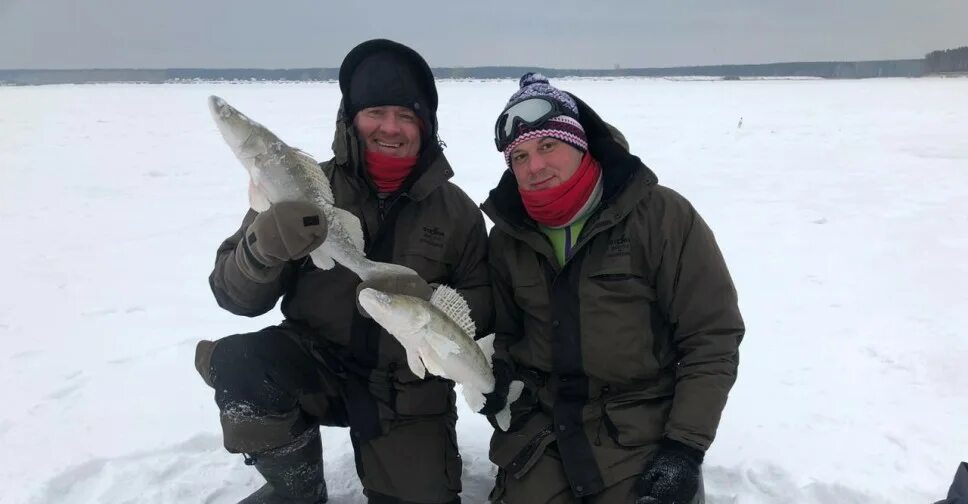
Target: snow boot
293 473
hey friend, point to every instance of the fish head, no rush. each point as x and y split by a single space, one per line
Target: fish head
245 137
400 315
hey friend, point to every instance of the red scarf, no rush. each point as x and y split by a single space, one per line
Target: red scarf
388 172
558 205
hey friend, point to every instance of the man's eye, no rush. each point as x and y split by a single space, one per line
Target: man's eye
518 157
408 117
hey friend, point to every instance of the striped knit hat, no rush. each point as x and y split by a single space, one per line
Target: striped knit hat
564 127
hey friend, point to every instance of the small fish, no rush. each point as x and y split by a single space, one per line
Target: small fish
438 336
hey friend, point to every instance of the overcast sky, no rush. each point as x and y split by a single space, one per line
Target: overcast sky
570 34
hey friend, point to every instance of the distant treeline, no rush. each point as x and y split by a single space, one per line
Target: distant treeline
829 70
948 60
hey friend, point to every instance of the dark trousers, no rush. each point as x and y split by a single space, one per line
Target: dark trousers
274 384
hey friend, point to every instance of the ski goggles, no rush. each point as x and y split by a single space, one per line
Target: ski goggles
530 112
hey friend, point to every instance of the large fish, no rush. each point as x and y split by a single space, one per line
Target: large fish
278 172
438 336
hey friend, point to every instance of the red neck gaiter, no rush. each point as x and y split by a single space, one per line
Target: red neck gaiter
558 205
388 172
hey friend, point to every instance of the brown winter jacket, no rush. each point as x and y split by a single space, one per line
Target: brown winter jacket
633 339
432 227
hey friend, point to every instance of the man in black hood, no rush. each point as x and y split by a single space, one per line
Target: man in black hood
327 363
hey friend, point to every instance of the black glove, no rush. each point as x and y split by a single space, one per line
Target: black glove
495 401
287 231
408 285
672 476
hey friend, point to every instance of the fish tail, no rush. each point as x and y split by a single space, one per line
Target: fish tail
473 397
503 417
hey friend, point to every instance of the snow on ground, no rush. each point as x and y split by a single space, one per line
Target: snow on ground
840 206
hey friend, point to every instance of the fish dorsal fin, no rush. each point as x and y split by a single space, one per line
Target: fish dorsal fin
454 305
352 226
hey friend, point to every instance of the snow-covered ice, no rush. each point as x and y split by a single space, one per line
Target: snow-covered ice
840 206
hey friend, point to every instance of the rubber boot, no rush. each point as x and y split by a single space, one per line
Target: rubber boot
293 473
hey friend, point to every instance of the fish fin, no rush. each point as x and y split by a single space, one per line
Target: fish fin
257 199
321 259
443 347
449 301
503 417
514 391
414 362
352 226
487 347
473 397
433 366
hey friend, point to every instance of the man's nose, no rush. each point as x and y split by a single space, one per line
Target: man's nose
390 124
536 164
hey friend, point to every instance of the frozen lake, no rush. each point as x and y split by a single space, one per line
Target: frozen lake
840 206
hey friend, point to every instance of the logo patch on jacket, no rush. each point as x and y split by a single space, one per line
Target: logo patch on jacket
619 247
433 236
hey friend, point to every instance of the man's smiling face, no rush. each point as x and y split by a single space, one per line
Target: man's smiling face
390 130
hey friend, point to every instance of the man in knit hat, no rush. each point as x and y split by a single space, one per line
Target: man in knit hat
327 363
613 304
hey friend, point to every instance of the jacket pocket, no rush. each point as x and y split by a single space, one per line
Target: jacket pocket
517 451
435 265
531 293
433 396
637 421
618 314
621 279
